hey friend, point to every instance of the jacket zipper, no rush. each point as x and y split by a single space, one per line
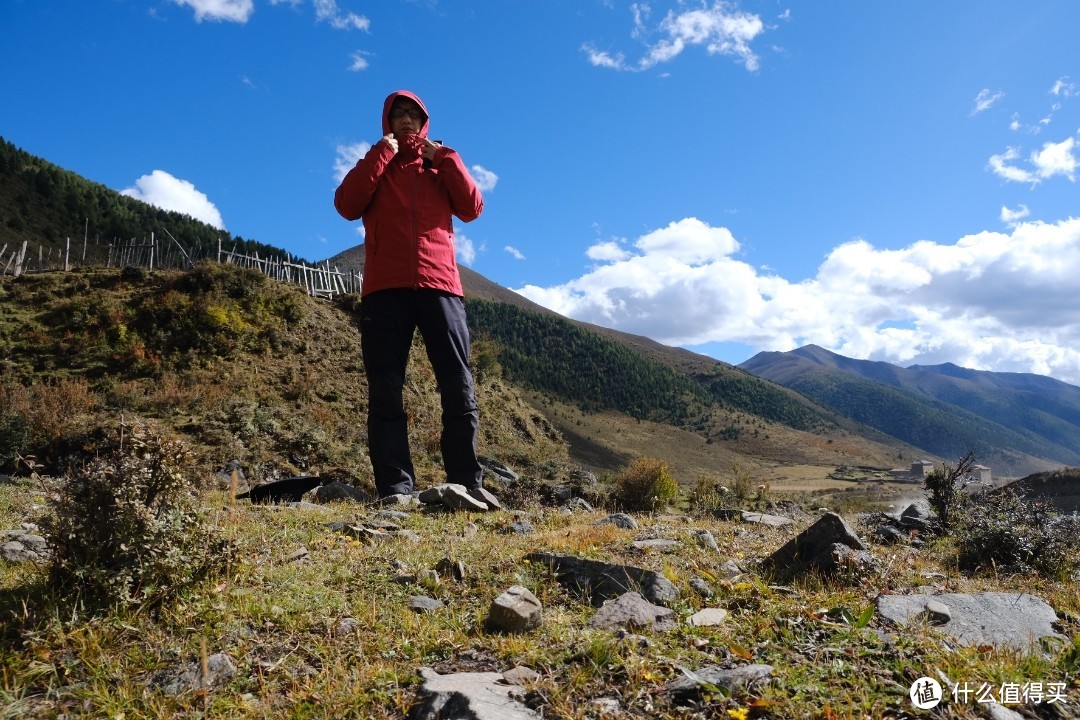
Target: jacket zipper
415 235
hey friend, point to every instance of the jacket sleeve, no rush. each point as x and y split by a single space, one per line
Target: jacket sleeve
358 187
466 202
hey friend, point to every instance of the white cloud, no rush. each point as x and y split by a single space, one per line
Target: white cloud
1063 87
162 190
997 301
600 58
465 249
220 10
1056 159
985 100
328 11
719 29
514 252
359 61
485 179
347 156
607 251
1011 217
1053 159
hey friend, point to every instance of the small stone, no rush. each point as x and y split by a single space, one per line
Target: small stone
708 617
620 520
701 587
520 675
515 610
424 604
937 612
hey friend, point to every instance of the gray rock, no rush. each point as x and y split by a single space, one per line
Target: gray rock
23 546
485 496
638 642
606 706
520 675
224 478
577 504
189 677
937 612
1010 620
424 604
706 539
918 510
708 617
655 544
632 612
453 496
689 687
514 611
398 500
520 527
469 696
599 581
619 520
583 478
994 711
730 570
346 626
497 469
450 568
816 546
765 519
305 505
701 587
841 558
340 492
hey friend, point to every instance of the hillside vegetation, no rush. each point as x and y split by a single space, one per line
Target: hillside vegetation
240 367
1015 422
45 205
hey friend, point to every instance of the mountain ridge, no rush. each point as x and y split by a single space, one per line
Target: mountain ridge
1035 420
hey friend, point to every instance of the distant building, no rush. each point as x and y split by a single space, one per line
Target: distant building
921 468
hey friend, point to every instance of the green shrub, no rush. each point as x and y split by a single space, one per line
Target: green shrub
13 433
646 484
123 529
945 490
705 496
1003 532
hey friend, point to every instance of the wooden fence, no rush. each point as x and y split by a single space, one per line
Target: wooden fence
320 281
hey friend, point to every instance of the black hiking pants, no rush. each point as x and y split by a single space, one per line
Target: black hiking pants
388 320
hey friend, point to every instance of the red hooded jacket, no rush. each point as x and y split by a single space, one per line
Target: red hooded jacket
407 205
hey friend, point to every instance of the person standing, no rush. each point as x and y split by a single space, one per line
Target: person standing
407 188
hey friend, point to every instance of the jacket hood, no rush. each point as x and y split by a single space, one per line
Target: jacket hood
388 103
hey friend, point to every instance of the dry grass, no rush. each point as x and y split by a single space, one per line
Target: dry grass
277 612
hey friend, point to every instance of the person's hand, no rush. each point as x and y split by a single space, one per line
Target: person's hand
428 149
391 141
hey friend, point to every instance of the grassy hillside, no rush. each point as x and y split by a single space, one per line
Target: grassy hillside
1017 426
241 367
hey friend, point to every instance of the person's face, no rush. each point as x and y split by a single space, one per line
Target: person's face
406 117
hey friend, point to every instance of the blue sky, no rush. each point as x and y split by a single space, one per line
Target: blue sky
891 181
